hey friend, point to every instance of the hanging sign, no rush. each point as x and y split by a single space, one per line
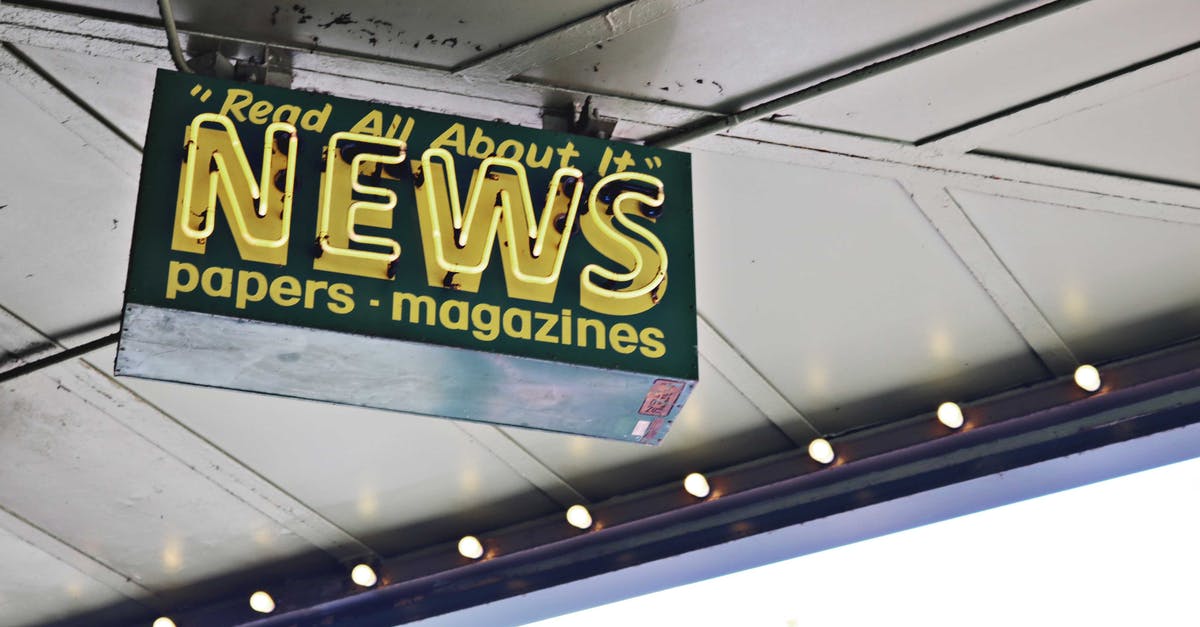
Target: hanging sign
305 245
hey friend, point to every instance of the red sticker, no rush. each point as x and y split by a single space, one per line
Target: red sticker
660 400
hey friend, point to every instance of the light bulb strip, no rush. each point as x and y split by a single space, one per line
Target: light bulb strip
771 485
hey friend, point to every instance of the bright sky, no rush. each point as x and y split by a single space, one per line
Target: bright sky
1120 552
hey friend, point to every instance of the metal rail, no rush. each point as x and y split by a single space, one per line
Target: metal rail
59 357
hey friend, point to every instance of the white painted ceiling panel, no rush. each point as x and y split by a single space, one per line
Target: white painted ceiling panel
998 72
371 472
65 229
1111 285
838 290
36 588
107 491
717 427
118 90
728 54
1145 134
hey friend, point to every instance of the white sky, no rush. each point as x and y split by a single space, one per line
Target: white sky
1120 552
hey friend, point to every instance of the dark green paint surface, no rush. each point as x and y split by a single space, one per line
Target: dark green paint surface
173 109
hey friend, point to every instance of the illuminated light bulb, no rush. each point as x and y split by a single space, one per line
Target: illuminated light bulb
821 450
262 602
364 576
163 621
470 547
950 414
696 485
1087 377
579 516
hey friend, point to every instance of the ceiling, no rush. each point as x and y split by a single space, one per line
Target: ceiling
900 222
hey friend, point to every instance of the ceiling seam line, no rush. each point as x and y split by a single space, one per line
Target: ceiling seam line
783 413
550 484
960 234
296 516
112 578
69 94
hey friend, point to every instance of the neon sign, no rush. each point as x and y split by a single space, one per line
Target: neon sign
418 230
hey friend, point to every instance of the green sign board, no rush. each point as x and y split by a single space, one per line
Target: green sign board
301 244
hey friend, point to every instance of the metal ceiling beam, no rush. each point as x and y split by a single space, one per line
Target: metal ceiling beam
522 103
906 56
1126 81
945 214
571 38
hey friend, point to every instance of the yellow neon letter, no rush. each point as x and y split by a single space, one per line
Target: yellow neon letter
338 212
458 245
207 177
646 265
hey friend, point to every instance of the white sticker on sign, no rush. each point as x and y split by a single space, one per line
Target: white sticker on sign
640 428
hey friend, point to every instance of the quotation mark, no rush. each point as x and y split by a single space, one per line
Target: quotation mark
203 97
653 162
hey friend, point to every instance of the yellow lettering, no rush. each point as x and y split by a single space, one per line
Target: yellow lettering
174 285
287 113
646 265
226 285
415 304
597 328
548 321
235 101
533 161
510 329
487 329
338 213
510 149
566 326
481 146
315 120
285 291
623 338
216 171
340 294
458 242
244 293
311 289
370 124
565 154
459 321
259 111
652 343
455 136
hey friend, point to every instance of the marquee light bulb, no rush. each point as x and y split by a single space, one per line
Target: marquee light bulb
696 485
821 450
262 602
950 414
163 621
579 516
1087 377
470 547
364 576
